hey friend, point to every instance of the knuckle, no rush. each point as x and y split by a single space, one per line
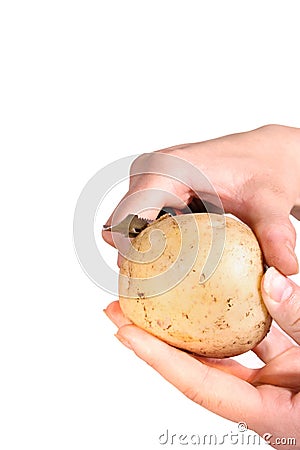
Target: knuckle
140 164
193 394
199 393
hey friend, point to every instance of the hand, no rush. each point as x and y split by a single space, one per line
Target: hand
255 174
267 399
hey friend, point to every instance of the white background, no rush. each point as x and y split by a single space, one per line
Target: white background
84 83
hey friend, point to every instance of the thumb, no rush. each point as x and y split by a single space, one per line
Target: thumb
282 299
145 203
267 211
277 238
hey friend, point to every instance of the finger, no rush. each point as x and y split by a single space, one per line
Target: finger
272 345
278 244
115 314
282 299
269 219
230 366
207 386
116 240
284 371
120 260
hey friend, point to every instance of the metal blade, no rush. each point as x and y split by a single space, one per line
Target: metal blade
131 226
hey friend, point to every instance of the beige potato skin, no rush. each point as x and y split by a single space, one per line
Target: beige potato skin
222 317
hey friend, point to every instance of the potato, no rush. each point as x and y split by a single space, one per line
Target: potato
167 293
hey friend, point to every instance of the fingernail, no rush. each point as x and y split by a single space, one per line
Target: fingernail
107 315
277 286
124 341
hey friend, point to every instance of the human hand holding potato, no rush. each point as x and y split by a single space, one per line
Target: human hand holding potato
256 175
267 399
